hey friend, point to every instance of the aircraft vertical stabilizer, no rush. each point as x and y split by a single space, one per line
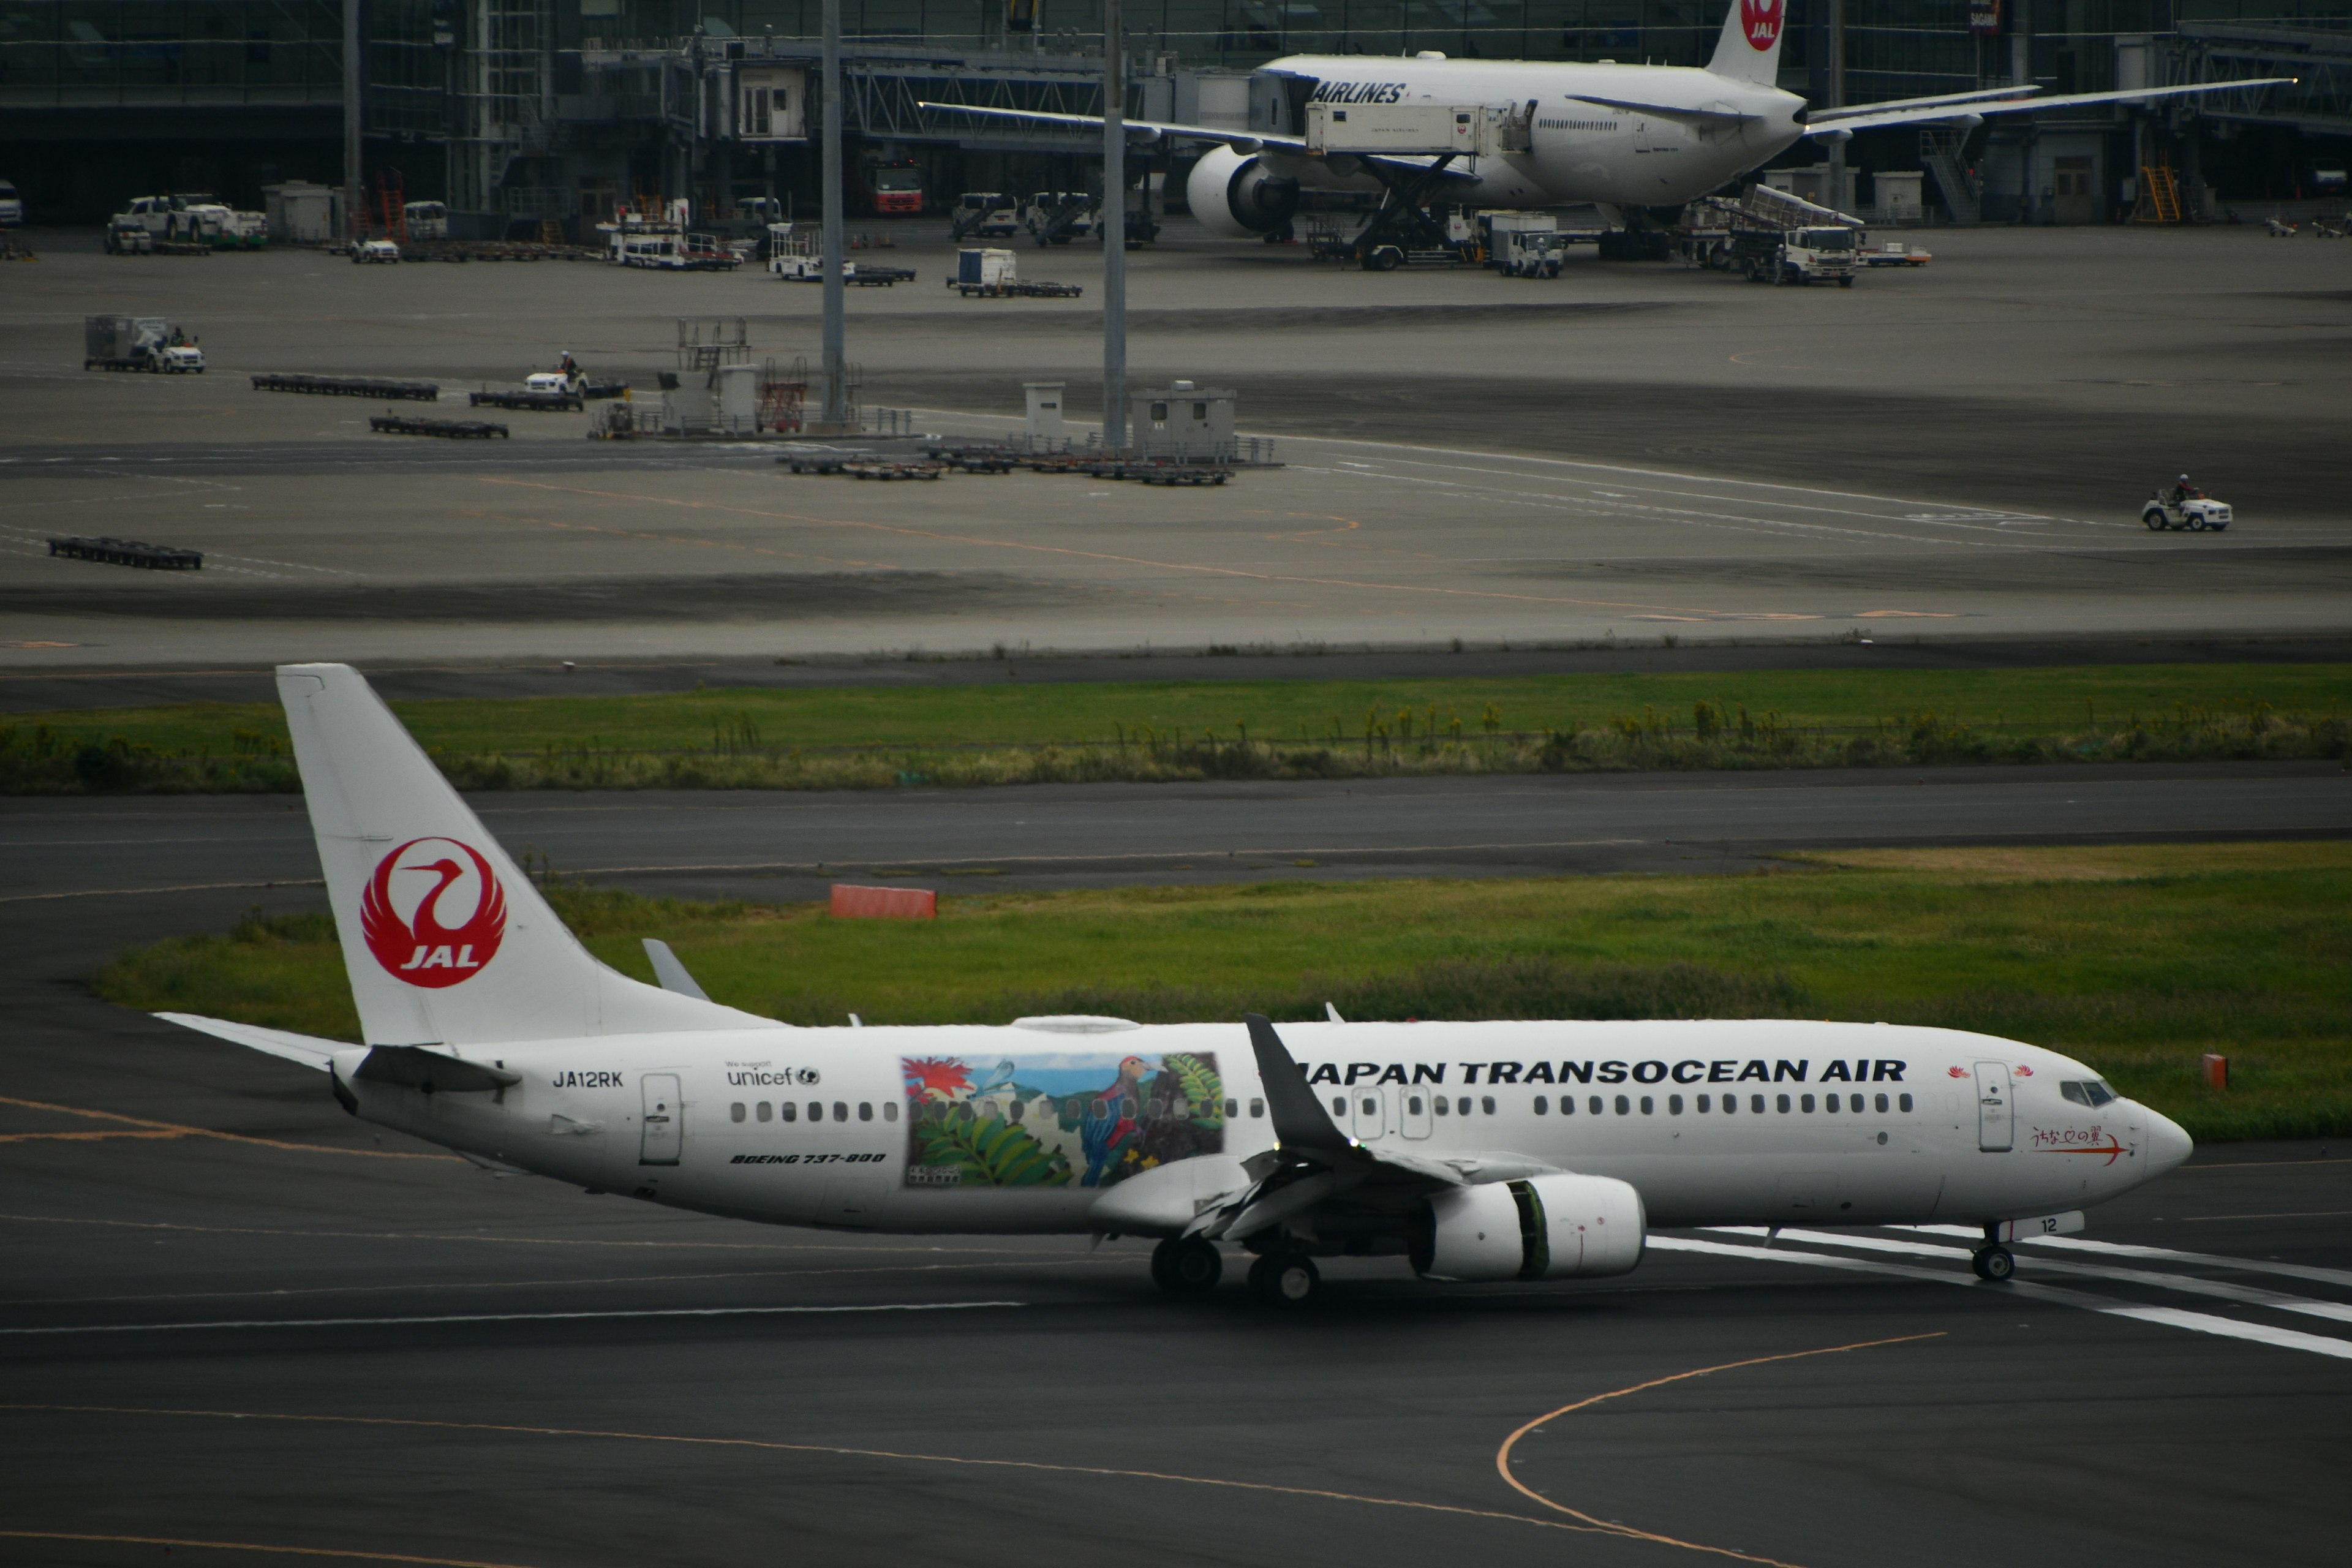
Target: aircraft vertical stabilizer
446 940
1750 49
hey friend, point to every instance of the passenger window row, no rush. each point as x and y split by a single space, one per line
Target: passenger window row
787 1110
1850 1104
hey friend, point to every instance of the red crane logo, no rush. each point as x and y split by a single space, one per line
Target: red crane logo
422 946
1760 20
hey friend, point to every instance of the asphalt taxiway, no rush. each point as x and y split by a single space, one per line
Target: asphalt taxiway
787 845
236 1322
1634 452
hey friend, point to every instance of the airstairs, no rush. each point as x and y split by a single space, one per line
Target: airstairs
1939 154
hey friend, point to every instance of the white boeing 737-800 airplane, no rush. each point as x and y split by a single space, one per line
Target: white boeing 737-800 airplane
1623 136
1477 1151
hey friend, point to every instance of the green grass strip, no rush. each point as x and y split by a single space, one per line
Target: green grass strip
2137 960
864 737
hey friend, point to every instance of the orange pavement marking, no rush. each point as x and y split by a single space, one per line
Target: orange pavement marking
175 1130
171 1541
1503 1454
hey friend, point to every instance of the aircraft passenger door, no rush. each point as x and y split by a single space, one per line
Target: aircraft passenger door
1416 1120
1995 1115
1370 1115
665 1120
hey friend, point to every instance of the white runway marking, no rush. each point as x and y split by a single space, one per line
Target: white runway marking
2171 1317
510 1318
2187 1285
2169 1255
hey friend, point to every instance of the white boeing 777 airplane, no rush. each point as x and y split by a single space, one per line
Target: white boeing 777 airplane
1619 135
1477 1151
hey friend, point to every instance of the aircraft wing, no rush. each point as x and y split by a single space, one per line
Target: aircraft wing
1670 111
1871 117
1315 1164
1152 130
1244 142
308 1049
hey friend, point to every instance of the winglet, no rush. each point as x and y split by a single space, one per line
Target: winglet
1299 1119
672 974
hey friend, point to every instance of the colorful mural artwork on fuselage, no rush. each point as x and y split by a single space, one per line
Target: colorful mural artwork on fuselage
1087 1119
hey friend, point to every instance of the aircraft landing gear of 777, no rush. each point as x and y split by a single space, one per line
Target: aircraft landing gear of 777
1286 1279
1994 1262
1187 1266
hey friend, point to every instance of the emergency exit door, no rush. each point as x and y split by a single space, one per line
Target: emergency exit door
665 1122
1996 1118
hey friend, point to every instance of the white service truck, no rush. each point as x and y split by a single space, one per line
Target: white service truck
139 342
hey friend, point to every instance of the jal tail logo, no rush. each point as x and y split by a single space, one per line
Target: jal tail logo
1760 20
434 912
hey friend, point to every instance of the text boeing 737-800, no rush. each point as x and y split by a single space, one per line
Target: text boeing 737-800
1622 136
1477 1151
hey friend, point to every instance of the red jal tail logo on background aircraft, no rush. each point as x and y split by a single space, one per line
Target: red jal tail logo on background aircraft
423 947
1760 20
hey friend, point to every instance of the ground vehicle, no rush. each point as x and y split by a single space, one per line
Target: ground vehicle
12 206
373 250
243 231
1798 255
986 214
150 213
894 188
139 342
994 274
426 220
2193 513
126 236
1516 244
1058 217
198 216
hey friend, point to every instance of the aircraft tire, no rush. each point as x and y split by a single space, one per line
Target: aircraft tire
1994 1264
1194 1266
1286 1279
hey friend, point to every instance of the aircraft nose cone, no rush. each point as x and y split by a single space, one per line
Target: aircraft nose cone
2168 1143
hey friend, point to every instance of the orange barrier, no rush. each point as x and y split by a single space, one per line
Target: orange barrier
854 903
2216 1070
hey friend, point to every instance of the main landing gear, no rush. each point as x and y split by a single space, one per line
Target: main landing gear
1191 1267
1187 1266
1286 1279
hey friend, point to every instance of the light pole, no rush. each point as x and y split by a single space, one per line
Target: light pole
1837 100
352 175
836 369
1113 231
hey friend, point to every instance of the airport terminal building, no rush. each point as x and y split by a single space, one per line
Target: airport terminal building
528 116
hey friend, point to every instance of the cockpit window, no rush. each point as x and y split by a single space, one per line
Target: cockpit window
2092 1091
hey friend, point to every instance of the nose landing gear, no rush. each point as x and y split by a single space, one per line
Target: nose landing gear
1994 1262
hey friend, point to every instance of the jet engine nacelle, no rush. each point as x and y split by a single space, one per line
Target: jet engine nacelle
1546 1227
1237 197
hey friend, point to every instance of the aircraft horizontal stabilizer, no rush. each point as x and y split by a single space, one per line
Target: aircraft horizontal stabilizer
308 1049
414 1066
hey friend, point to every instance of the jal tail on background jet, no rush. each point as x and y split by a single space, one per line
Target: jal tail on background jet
424 898
1750 49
